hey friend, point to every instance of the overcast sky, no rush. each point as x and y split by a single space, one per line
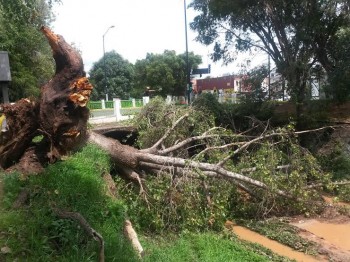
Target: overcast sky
141 27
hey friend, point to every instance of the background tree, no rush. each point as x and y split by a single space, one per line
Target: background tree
165 73
29 53
339 72
253 81
119 74
286 30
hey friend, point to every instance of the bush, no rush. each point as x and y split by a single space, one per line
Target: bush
237 117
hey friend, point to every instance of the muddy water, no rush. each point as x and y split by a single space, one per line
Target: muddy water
246 234
337 234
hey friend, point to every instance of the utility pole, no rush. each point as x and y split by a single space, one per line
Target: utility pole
188 77
104 63
269 82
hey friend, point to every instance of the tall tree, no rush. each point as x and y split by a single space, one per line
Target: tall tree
30 55
338 62
112 74
165 73
286 30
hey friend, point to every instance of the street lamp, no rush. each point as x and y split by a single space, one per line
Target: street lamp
188 77
104 62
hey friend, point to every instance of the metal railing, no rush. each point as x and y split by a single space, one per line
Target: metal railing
93 105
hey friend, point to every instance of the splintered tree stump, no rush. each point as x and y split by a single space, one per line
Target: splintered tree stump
60 115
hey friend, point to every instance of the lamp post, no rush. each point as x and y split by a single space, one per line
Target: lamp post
188 77
104 62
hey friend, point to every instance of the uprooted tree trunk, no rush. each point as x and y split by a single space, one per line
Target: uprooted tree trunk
60 115
61 118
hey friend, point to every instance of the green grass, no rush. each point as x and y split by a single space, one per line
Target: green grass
205 247
35 233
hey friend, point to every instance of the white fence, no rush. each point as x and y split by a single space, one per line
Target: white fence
116 112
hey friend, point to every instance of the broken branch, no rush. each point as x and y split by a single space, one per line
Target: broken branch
85 225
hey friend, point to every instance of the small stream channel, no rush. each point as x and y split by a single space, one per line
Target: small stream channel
280 249
337 234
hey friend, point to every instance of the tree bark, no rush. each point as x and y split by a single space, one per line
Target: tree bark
60 115
131 160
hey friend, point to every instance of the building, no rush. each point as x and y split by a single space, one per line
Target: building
227 84
228 88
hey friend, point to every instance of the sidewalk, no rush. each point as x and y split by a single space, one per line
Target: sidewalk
102 119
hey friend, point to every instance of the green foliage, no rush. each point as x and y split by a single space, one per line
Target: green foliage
303 169
337 162
316 114
339 77
238 117
192 201
165 73
177 203
343 194
208 102
29 53
119 74
292 33
36 233
254 79
157 117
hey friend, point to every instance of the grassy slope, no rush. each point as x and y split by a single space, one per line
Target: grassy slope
35 233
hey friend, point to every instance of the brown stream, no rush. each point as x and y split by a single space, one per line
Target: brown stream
248 235
337 234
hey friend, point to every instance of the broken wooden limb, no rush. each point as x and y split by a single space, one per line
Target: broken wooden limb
130 234
85 225
126 156
167 133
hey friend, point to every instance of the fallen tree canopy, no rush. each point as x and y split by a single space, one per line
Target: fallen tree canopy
269 161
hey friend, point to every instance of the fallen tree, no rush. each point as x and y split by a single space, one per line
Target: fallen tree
60 118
